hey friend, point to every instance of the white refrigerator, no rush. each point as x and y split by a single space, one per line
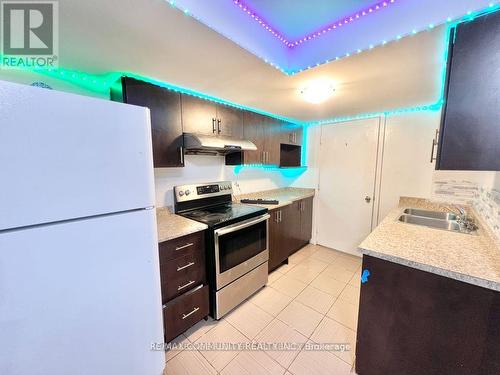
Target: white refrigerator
79 273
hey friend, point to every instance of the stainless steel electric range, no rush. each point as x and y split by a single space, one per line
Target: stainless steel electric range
236 242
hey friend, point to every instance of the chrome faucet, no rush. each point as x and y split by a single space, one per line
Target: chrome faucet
461 210
465 221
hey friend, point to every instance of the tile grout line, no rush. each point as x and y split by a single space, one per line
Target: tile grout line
279 312
324 315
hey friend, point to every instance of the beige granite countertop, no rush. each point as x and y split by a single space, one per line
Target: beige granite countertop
285 196
471 258
171 226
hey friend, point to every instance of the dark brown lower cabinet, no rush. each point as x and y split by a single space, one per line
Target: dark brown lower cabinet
184 288
278 248
414 322
294 227
301 224
306 220
290 228
184 312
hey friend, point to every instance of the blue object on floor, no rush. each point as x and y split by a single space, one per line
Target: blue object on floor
364 276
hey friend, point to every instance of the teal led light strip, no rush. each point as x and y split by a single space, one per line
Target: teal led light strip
286 172
493 6
426 107
210 98
423 108
102 84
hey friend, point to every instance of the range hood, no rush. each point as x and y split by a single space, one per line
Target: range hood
210 145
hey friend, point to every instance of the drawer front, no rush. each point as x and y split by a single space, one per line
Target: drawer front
181 246
182 274
184 312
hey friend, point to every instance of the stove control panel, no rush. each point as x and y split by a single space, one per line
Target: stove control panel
192 192
208 189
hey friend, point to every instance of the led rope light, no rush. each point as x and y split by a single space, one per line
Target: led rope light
332 26
103 82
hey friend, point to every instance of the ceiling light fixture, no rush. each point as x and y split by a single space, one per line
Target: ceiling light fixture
318 91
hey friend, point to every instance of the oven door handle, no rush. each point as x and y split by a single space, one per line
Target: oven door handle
242 225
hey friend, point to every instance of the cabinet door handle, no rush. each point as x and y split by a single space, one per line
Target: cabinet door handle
276 217
184 316
434 144
184 246
294 137
280 216
219 122
180 287
213 126
181 151
186 266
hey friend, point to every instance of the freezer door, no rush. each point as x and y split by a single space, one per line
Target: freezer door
65 156
81 297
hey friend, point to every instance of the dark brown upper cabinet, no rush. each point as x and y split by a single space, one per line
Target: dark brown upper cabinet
172 114
203 116
198 115
253 130
278 142
470 129
166 125
229 121
272 136
291 134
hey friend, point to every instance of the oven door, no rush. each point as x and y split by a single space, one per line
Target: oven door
239 248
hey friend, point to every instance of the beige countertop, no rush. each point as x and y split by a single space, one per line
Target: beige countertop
172 226
285 196
471 258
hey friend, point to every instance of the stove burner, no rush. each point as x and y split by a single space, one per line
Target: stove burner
221 213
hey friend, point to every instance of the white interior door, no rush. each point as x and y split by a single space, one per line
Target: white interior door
347 162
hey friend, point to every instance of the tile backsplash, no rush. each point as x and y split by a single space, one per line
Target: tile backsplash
455 191
483 195
487 204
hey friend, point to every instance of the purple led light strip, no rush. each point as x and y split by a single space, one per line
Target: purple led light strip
333 26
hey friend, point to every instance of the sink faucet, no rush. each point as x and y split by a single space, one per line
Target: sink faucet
461 210
465 221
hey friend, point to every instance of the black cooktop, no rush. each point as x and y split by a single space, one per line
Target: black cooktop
224 214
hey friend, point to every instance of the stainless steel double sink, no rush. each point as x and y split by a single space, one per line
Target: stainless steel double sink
433 219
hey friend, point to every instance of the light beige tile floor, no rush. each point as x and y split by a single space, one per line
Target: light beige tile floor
312 300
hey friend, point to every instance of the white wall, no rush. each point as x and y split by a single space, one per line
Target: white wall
201 169
405 167
407 171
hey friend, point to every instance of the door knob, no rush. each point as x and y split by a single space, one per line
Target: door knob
368 199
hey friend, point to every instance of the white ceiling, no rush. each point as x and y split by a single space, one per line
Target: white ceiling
158 41
396 19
